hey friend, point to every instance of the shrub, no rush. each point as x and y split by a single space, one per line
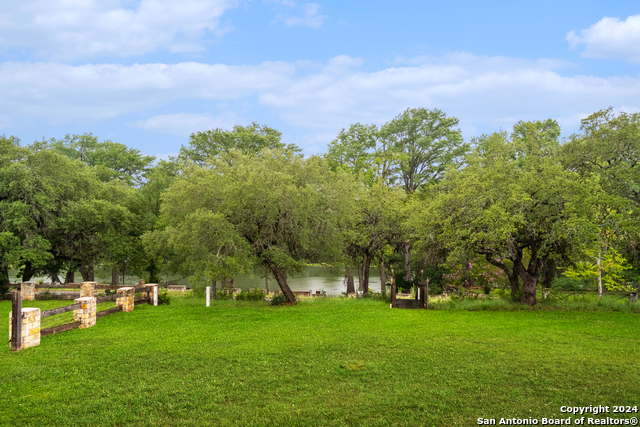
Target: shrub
224 295
46 296
486 288
279 299
164 298
255 294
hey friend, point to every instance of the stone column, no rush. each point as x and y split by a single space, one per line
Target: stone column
87 314
30 327
88 289
28 291
126 298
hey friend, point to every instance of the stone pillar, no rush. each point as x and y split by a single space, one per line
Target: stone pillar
126 298
30 327
87 314
88 289
28 291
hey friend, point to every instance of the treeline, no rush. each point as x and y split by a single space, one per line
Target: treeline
519 210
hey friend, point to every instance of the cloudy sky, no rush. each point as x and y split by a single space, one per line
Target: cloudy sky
147 73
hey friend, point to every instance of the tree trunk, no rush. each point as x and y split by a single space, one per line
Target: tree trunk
5 275
599 277
515 287
214 292
365 279
383 279
529 285
350 285
86 272
69 277
54 277
529 276
266 282
115 277
360 276
28 272
280 277
407 262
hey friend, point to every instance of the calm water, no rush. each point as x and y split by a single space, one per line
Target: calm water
313 279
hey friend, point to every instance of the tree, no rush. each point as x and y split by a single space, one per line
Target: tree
427 142
378 211
515 201
249 140
111 160
275 209
608 146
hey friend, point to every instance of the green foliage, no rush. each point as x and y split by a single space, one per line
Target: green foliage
279 299
224 294
275 210
110 160
249 140
164 298
569 283
255 294
427 143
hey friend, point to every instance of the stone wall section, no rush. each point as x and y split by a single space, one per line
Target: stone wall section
30 327
126 298
28 291
87 314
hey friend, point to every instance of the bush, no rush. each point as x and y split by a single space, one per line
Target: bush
255 294
164 298
486 288
224 295
279 299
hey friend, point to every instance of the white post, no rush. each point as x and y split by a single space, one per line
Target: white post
418 293
155 295
208 295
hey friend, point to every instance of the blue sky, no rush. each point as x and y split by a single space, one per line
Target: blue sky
147 73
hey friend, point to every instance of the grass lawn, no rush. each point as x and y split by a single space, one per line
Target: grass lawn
248 363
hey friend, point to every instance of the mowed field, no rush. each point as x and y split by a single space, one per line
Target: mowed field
248 363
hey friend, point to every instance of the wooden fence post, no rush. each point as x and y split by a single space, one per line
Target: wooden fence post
16 320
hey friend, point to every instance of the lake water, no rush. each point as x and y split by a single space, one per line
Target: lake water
312 279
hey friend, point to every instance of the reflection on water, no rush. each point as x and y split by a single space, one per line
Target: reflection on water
312 279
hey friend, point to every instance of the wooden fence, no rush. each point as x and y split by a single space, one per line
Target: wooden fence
25 329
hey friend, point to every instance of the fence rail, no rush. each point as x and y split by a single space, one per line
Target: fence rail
107 312
25 329
60 310
58 329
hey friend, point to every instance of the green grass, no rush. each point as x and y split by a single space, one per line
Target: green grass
248 363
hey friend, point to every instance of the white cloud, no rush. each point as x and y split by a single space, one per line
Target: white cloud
610 38
288 3
480 91
184 124
309 19
57 92
71 29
